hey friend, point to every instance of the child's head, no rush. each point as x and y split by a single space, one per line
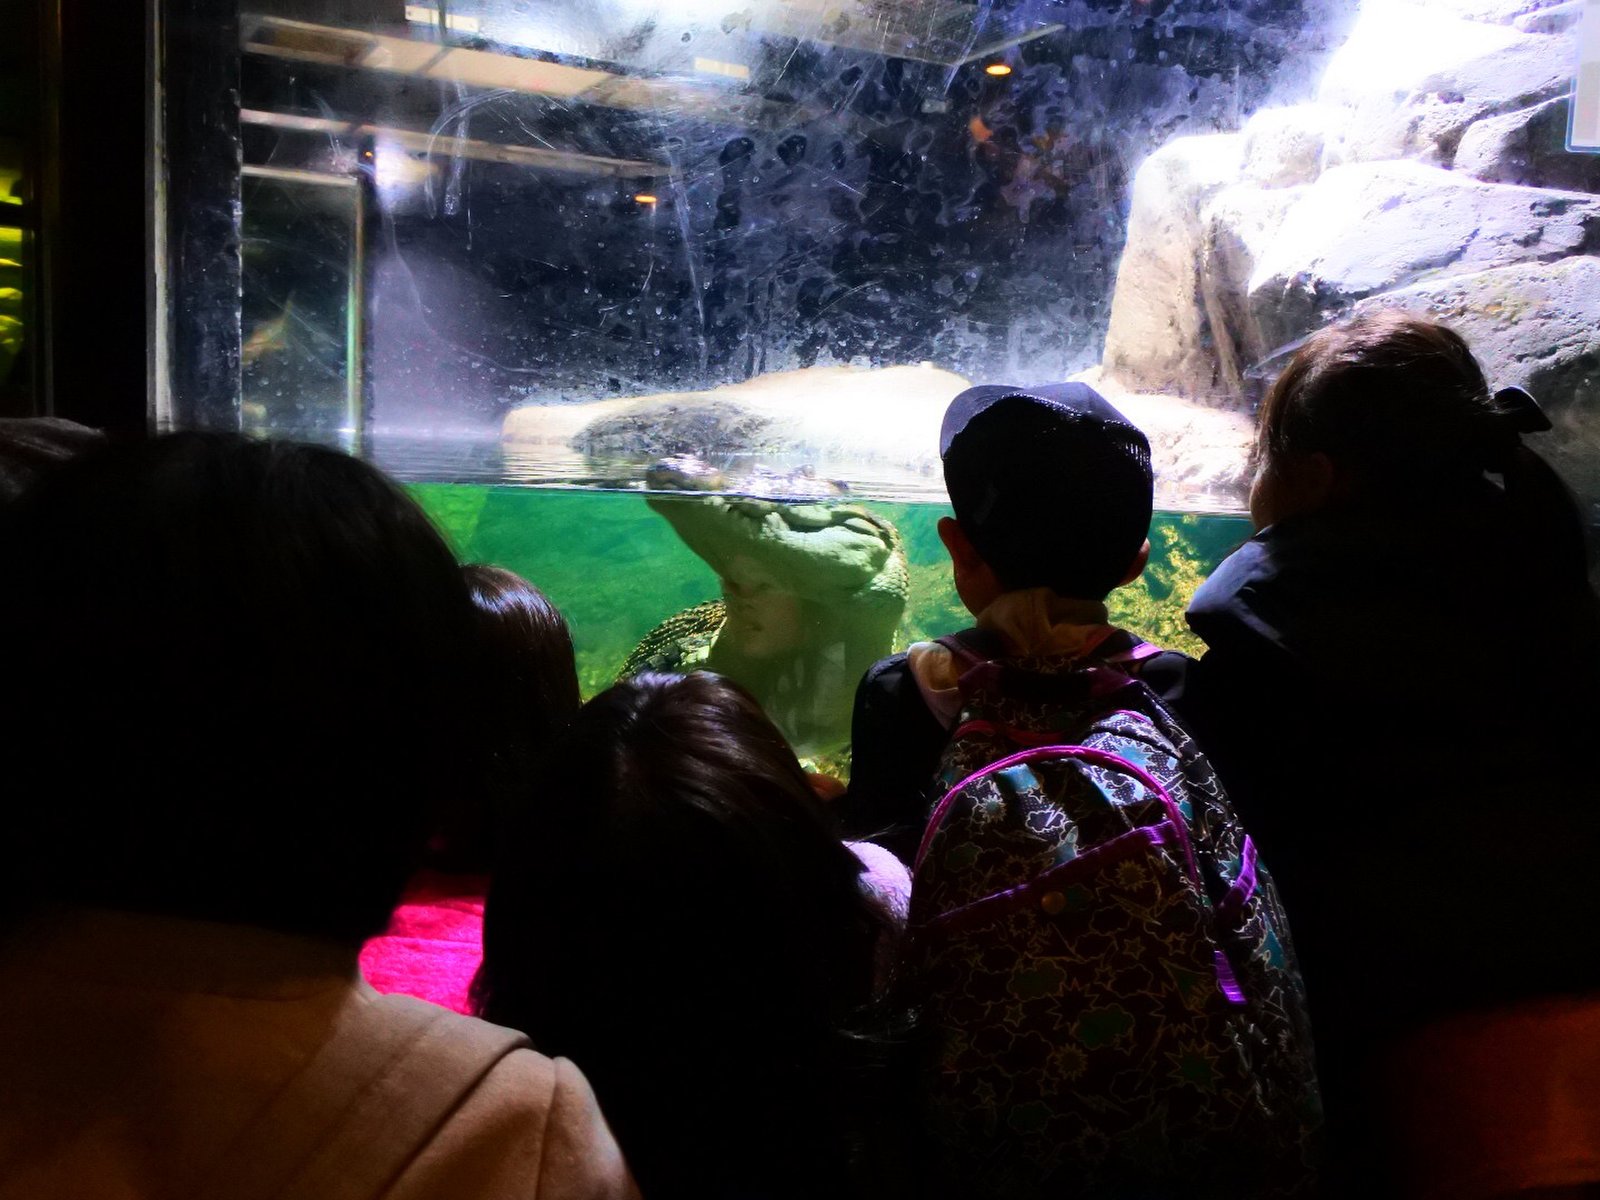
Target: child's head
527 693
529 644
1383 407
1051 487
219 690
679 917
1393 412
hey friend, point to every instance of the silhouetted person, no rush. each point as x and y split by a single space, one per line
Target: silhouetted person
1402 674
526 682
234 688
679 913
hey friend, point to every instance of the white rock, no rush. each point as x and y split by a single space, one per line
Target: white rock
1528 146
878 429
1535 66
1375 227
1283 146
1155 340
1503 12
1240 225
1414 79
1395 45
1558 18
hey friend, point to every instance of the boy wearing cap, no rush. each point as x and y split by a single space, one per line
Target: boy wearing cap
1051 489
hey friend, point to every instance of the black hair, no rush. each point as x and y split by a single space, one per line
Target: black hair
240 688
680 919
1051 499
1402 407
527 694
30 447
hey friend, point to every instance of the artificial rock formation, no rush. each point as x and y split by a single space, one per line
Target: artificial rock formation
1430 174
1374 227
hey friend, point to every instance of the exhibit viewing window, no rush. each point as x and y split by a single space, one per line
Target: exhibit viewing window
660 301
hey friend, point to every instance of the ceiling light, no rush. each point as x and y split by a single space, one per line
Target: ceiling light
997 69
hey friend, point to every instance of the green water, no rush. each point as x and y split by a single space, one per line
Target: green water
616 569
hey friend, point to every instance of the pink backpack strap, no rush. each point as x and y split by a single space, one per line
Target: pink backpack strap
1124 648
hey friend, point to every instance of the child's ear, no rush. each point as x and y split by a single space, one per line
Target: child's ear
1137 566
957 544
975 581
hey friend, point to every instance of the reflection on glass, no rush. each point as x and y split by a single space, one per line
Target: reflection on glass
778 235
300 360
575 203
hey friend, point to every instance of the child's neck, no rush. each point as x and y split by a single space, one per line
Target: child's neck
1043 621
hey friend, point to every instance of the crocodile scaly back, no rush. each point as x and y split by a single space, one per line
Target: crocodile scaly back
680 643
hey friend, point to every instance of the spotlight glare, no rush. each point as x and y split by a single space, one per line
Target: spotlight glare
997 69
644 198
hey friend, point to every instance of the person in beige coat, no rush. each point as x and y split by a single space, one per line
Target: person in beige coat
242 684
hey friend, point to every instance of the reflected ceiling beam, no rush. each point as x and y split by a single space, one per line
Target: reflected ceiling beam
932 31
445 146
297 175
301 41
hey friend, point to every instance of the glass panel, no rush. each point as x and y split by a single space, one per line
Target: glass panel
753 249
617 571
300 357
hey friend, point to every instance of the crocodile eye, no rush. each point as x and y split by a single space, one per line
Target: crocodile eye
807 516
862 525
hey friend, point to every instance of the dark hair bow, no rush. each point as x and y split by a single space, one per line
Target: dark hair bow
1521 411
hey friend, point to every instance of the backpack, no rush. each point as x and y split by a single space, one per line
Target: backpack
1102 965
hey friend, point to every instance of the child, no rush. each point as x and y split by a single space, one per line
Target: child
526 693
1051 488
1068 799
679 916
1403 666
227 721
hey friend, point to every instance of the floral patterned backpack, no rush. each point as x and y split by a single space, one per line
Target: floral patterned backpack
1099 955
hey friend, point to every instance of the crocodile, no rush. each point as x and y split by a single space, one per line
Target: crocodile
813 588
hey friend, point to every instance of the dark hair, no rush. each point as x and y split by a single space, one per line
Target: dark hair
527 695
1051 498
30 447
679 918
240 685
1402 407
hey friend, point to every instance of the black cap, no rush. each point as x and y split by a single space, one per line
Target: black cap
1051 484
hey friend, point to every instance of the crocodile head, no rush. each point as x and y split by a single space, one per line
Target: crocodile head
812 590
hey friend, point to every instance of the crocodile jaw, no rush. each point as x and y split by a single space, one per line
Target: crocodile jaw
815 551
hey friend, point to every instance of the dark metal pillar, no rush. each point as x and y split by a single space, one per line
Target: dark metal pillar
199 144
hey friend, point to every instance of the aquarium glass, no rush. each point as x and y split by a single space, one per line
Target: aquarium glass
300 359
745 252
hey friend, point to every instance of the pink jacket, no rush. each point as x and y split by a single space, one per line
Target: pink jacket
434 942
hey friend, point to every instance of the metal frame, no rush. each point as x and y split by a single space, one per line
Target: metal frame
93 214
355 294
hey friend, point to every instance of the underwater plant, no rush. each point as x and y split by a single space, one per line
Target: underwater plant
1153 605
